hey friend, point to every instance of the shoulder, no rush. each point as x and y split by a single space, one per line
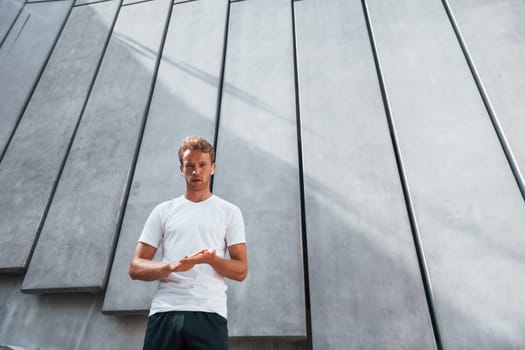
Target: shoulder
165 207
231 212
225 204
234 222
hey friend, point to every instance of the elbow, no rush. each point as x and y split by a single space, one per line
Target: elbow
132 271
242 275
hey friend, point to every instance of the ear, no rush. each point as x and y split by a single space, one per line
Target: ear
213 166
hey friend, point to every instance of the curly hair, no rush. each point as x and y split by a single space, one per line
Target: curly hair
196 143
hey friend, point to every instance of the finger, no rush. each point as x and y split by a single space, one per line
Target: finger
184 266
194 259
202 251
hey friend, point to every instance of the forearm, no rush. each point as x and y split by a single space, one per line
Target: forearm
149 270
233 269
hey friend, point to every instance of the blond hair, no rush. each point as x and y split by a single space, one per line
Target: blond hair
196 143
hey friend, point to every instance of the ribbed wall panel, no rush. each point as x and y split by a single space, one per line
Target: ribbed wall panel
467 203
498 54
373 297
33 162
83 218
85 2
9 11
441 181
257 168
74 321
184 103
63 321
23 55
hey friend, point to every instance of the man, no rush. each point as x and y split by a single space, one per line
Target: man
193 232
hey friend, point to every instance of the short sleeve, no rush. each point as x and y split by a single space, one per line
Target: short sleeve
235 233
153 228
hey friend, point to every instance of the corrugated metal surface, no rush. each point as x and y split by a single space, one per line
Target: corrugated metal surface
375 147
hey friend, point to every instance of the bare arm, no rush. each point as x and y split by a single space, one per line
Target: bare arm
143 268
235 268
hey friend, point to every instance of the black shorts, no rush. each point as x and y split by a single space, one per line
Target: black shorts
186 330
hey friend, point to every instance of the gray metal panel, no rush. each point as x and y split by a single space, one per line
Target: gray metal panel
62 321
469 209
365 285
85 2
498 53
132 2
257 168
9 11
184 103
34 158
80 226
66 321
22 58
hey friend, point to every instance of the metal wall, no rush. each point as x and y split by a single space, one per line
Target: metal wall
376 149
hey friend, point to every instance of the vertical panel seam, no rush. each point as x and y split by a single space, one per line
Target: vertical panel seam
41 1
218 109
136 2
301 183
11 27
182 2
19 33
91 3
404 183
132 167
486 101
70 143
13 23
35 84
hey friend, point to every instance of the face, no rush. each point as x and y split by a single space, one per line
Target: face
197 169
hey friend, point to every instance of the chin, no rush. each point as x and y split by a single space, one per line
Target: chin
199 186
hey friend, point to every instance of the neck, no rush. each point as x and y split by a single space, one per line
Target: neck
197 196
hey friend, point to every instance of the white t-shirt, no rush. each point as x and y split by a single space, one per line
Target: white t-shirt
180 227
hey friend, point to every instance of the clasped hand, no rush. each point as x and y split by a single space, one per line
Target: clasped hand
204 256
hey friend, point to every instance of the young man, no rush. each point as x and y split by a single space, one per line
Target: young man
193 232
